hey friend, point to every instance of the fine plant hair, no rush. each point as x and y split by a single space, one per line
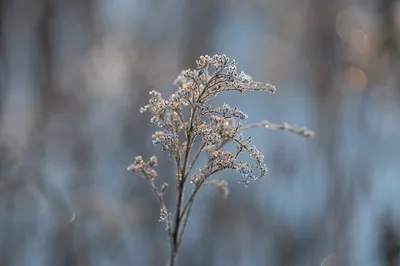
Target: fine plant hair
190 127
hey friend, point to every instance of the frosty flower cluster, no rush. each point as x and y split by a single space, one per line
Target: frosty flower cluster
167 139
222 160
222 187
228 112
214 75
144 168
215 126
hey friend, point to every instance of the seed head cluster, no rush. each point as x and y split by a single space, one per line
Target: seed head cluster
215 126
144 168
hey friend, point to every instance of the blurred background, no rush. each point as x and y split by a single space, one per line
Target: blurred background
74 74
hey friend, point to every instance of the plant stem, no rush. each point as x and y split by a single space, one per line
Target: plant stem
173 257
180 185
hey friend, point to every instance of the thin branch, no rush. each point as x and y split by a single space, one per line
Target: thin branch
195 159
198 185
188 206
304 132
181 119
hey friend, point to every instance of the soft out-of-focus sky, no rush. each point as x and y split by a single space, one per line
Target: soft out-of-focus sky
74 74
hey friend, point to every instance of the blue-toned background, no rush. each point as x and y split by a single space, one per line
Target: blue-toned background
74 74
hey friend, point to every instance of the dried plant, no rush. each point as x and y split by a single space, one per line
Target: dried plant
191 127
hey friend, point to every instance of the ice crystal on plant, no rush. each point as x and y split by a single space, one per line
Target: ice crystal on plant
164 215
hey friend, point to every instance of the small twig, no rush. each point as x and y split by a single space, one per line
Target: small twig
181 119
304 132
188 206
160 200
